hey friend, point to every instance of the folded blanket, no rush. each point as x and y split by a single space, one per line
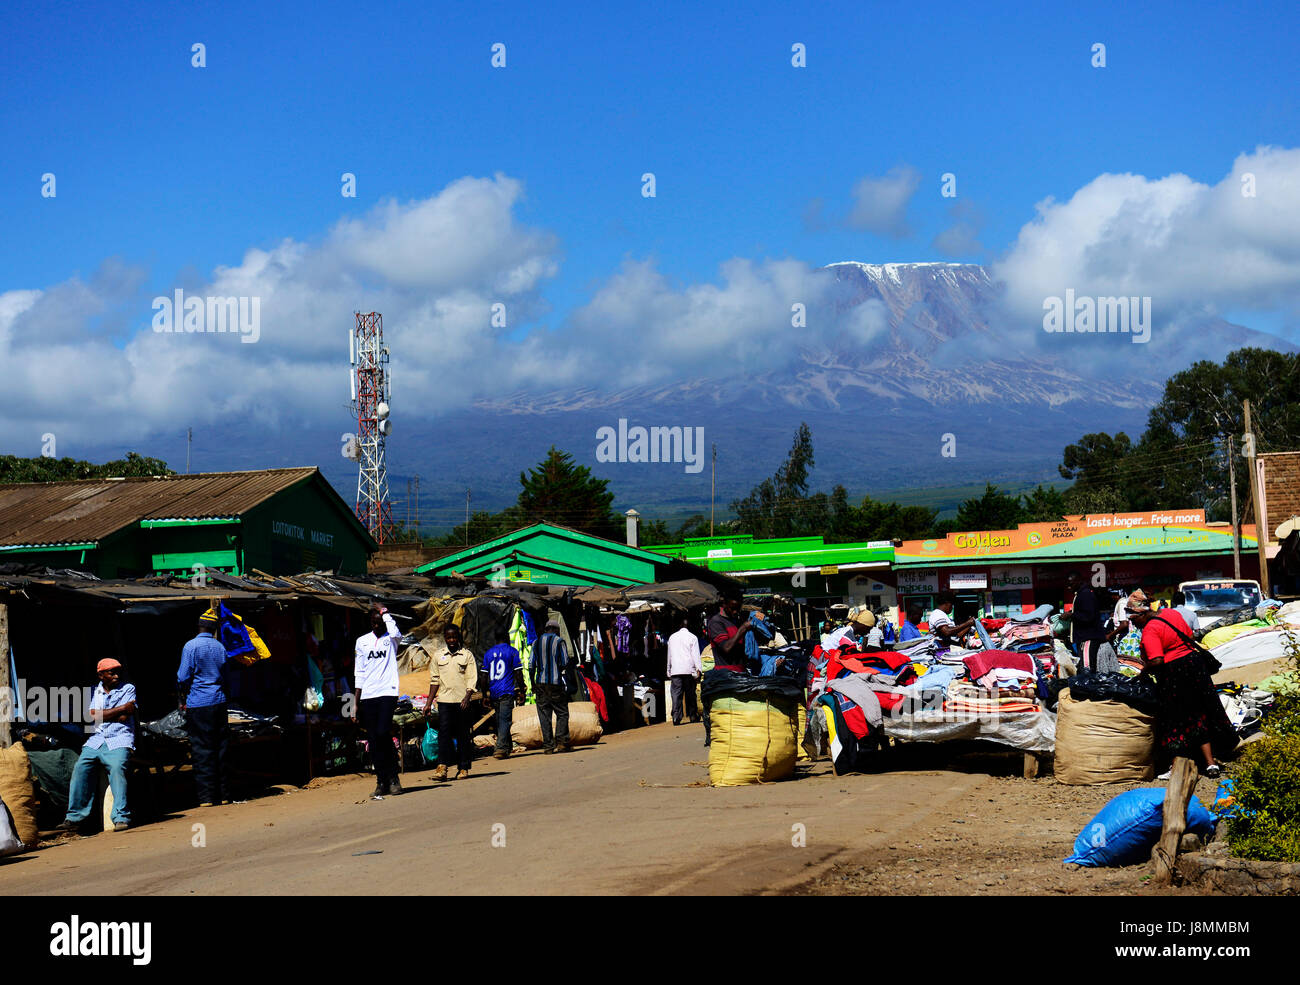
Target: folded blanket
979 664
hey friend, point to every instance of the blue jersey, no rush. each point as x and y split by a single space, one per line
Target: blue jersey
500 664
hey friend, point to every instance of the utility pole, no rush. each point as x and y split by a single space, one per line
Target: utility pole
467 492
408 507
189 440
1257 500
417 507
1236 527
713 478
6 698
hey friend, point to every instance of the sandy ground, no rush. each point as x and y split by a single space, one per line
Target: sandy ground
632 815
1006 837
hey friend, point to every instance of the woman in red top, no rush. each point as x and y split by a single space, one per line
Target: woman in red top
1191 717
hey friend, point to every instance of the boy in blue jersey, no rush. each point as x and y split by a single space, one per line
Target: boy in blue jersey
501 681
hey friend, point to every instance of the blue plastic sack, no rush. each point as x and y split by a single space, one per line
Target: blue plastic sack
1127 828
429 745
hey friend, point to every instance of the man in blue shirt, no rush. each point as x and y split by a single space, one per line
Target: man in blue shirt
501 680
200 685
909 631
112 712
547 665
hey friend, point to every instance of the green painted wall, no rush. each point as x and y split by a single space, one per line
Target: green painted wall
550 556
303 529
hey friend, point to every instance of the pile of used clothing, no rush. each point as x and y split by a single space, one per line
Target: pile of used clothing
1005 669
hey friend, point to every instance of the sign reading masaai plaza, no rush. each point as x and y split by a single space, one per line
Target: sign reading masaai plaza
1092 535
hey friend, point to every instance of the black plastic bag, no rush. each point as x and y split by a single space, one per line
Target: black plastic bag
1136 692
728 684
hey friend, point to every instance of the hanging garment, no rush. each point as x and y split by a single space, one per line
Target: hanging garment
519 640
622 634
596 694
762 633
241 641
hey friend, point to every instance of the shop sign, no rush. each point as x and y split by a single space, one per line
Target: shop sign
918 582
1004 579
830 569
720 552
965 580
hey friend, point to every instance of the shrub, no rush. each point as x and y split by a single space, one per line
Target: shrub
1267 782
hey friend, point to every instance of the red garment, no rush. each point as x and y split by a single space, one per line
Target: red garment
979 664
993 625
597 695
1160 640
856 719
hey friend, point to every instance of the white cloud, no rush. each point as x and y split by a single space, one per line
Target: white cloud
880 204
433 268
1194 249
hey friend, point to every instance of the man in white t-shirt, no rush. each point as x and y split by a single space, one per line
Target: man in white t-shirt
942 624
375 671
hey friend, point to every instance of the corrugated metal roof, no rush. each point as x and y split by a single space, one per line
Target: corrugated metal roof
92 509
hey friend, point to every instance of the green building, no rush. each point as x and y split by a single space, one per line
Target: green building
549 554
281 521
805 567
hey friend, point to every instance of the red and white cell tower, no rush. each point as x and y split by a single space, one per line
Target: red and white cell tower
370 381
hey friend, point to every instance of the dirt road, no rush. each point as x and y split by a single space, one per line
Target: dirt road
632 815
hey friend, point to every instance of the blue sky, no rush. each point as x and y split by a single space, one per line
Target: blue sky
522 185
176 167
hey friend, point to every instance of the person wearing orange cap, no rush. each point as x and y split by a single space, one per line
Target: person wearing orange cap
111 715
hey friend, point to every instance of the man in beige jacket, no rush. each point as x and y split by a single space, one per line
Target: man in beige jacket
453 684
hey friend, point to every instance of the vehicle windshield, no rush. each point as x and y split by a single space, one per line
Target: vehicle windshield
1221 596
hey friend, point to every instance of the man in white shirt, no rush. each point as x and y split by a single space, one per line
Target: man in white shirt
942 624
684 669
375 671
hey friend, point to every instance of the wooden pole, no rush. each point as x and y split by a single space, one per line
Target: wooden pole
1257 500
1182 781
6 697
1236 527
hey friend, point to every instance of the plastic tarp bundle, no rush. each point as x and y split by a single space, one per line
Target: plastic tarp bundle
1103 742
53 771
1127 828
1253 646
1027 731
755 727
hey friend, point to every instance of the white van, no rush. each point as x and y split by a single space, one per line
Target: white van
1216 599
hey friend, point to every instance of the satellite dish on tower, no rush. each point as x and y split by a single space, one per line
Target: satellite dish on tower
385 427
382 410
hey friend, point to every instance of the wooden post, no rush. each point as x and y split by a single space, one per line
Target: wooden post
1031 766
1262 532
7 699
1182 781
1236 524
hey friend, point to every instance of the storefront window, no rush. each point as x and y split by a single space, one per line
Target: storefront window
1005 604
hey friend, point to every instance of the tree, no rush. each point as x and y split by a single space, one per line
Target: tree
558 490
995 510
1181 458
778 506
41 469
655 532
1043 505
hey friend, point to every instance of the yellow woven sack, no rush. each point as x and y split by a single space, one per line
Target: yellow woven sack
752 741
